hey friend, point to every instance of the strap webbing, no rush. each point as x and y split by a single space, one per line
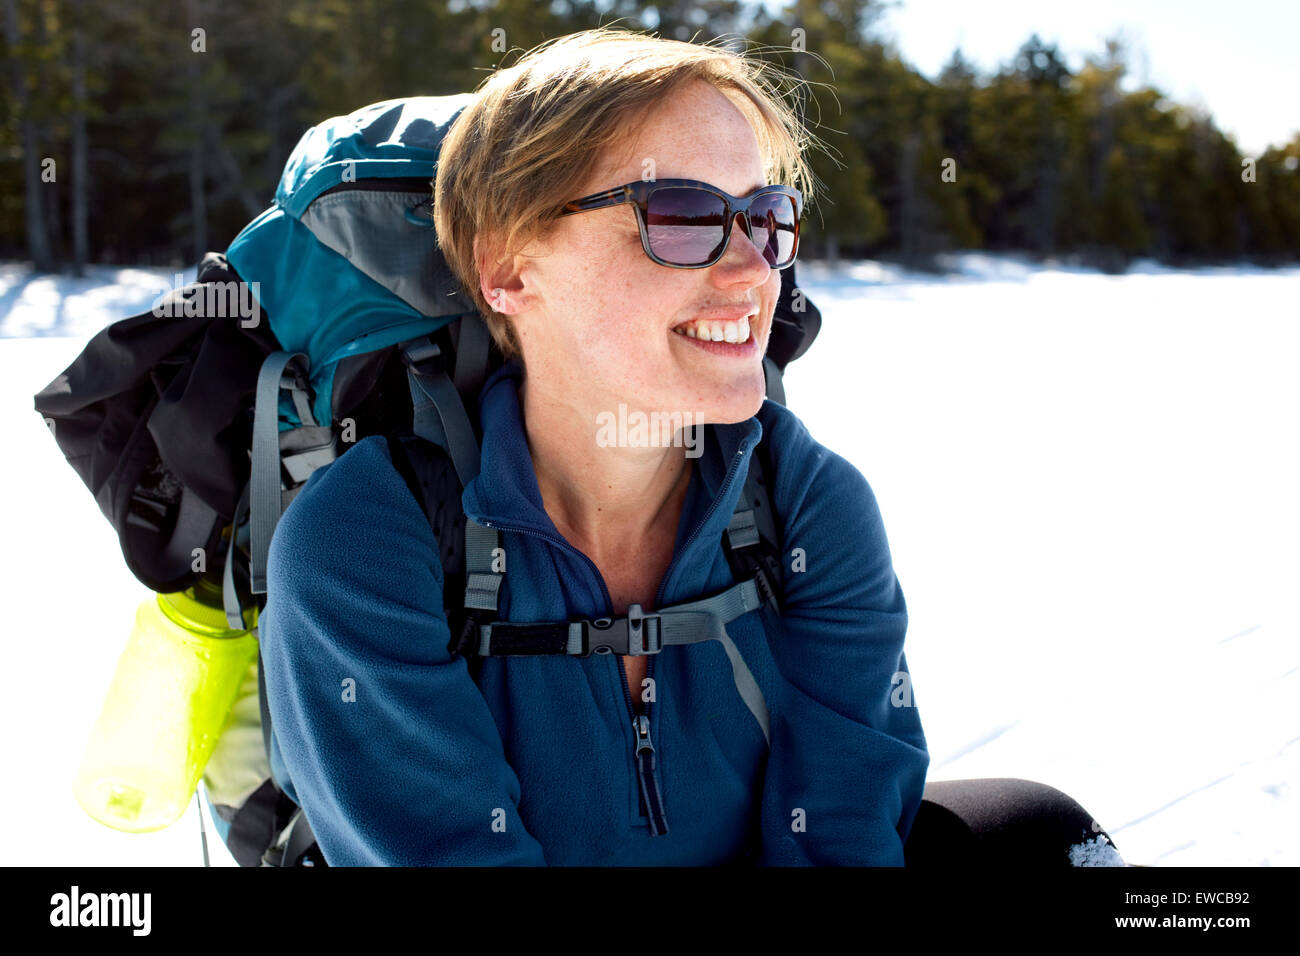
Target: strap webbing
229 596
264 480
773 381
743 530
753 541
754 517
471 353
482 584
264 706
723 608
687 623
747 687
294 840
438 415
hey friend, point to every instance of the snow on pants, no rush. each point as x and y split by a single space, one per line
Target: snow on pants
1000 821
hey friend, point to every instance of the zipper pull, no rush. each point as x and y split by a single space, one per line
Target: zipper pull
643 743
648 776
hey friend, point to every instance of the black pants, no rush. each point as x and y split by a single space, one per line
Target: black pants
997 821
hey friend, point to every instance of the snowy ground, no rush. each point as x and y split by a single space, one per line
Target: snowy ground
1091 486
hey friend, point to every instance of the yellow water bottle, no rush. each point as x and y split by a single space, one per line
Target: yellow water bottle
172 691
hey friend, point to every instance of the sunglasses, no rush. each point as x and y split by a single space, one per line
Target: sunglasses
686 224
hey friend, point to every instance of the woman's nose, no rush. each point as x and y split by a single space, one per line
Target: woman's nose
745 236
744 226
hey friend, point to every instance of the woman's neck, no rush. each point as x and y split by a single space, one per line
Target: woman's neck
603 499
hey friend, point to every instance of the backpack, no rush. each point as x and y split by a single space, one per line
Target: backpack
331 317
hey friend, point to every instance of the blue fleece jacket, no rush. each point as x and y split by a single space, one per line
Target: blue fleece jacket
399 757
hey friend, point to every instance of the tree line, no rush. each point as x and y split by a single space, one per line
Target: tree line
150 133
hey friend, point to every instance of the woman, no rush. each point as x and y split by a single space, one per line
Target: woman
396 754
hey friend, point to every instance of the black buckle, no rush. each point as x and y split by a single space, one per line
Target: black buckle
637 634
466 643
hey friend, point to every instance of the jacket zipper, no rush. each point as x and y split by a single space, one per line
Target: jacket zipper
643 752
646 764
648 773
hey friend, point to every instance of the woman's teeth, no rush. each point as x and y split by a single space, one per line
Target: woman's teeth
716 331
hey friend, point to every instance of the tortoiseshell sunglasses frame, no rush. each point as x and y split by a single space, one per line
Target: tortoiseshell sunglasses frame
638 193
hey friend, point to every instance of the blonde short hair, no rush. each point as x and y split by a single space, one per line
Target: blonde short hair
509 163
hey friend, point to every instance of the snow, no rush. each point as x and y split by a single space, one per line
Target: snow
1095 852
1089 483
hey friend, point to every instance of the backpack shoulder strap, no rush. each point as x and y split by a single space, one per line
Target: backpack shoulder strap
430 474
753 540
283 836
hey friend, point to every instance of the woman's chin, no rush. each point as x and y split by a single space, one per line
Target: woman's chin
742 405
724 397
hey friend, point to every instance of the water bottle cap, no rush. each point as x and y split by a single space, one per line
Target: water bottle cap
190 610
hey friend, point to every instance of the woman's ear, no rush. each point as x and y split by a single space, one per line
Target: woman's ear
491 281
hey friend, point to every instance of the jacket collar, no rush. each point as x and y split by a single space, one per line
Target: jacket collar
505 491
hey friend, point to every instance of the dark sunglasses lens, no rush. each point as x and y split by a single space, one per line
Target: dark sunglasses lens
685 225
772 221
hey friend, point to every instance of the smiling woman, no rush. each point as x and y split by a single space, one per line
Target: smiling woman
621 209
674 133
675 136
672 653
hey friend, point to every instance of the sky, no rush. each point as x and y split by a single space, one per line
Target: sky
1239 59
